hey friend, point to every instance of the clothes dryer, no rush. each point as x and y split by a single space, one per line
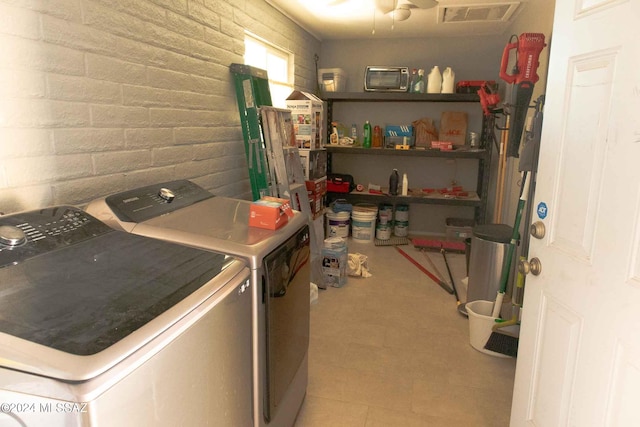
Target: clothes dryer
181 211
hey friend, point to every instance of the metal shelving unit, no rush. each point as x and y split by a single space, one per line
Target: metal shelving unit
478 200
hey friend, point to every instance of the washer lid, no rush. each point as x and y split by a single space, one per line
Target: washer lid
78 287
143 203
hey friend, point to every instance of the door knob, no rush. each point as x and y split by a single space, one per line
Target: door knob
533 266
537 229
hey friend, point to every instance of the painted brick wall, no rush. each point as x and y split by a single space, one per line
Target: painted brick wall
100 96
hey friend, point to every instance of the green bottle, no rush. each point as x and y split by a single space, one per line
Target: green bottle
366 137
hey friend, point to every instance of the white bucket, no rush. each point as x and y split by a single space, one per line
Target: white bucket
338 224
363 223
480 325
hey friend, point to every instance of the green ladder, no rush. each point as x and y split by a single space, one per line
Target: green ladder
252 92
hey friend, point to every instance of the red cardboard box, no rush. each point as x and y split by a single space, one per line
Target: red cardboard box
318 186
270 212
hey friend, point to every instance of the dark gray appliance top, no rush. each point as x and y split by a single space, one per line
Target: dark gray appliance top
141 204
75 285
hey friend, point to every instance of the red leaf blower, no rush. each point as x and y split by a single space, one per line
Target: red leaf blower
528 47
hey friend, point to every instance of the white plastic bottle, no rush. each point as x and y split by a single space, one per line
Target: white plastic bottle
448 80
405 184
434 82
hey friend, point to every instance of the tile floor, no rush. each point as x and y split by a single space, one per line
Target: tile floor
392 350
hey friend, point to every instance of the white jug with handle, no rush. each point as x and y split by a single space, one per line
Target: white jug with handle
448 80
434 82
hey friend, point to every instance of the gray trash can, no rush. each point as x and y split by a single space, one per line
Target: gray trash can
488 249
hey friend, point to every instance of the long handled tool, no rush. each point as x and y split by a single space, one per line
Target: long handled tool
453 283
502 340
433 266
502 173
441 283
506 265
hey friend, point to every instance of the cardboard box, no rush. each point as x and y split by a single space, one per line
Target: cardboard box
307 111
314 163
269 212
317 187
317 202
398 130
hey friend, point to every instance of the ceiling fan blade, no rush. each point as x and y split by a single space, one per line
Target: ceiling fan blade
425 4
385 6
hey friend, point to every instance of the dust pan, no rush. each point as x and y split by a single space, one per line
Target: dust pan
503 342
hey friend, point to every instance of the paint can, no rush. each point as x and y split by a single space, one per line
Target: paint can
401 228
383 231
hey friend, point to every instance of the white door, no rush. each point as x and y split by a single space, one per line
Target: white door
579 356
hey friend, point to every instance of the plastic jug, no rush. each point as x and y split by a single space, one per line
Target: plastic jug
434 82
448 80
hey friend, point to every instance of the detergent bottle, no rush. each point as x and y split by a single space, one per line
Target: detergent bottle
448 80
434 81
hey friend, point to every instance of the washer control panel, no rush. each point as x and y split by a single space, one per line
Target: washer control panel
27 234
144 203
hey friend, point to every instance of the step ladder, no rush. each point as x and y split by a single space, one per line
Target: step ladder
252 92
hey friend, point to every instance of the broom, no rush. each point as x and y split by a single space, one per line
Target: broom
497 339
506 265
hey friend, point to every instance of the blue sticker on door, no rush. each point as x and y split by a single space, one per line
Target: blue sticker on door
542 210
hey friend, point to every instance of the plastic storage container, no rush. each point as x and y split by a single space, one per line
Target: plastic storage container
332 79
335 255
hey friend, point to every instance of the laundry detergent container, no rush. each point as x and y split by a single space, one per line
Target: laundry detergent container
489 244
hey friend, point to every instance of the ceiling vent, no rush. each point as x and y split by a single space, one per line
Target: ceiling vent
501 12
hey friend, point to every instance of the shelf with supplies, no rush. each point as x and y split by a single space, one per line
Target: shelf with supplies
356 106
399 97
461 153
414 196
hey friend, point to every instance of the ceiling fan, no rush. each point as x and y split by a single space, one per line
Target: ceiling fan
402 11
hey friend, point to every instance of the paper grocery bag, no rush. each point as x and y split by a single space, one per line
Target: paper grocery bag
453 127
425 132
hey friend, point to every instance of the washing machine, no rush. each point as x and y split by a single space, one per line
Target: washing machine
104 328
181 211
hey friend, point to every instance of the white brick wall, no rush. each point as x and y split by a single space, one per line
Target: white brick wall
100 96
